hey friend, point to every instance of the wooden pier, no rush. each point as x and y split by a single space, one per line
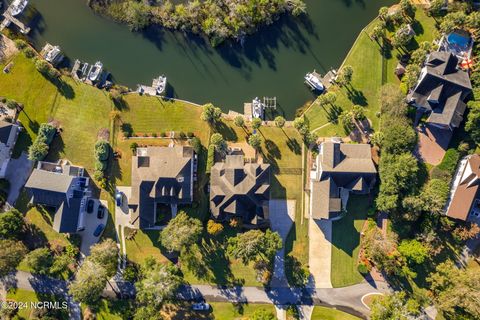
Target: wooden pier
8 19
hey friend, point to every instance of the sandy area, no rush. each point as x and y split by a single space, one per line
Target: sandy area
7 48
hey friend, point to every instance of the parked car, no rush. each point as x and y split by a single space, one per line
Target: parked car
99 229
90 204
119 198
100 212
201 306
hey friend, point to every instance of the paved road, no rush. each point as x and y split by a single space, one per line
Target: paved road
347 299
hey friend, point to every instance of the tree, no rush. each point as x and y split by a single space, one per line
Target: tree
456 290
399 137
39 260
402 37
345 75
214 228
182 231
11 254
158 283
473 123
464 233
102 150
410 77
395 306
378 31
383 14
133 147
301 125
218 142
89 283
279 121
436 7
105 254
210 113
239 121
254 245
137 15
11 224
392 101
37 151
473 20
298 7
452 21
346 119
435 195
256 123
407 8
358 113
413 250
255 141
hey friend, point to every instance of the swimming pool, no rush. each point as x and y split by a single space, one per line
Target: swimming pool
458 41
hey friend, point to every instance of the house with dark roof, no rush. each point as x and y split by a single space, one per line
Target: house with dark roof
464 199
339 169
160 175
63 188
8 136
240 190
441 90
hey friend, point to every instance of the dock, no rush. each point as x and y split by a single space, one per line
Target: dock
326 80
9 19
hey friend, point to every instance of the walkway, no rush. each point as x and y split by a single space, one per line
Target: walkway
282 215
320 252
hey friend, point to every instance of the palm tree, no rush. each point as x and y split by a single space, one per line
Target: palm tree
280 121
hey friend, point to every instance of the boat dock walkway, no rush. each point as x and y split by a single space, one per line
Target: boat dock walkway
8 19
328 79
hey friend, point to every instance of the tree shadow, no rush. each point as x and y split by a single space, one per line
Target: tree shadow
56 149
227 132
357 97
333 112
127 129
34 237
294 146
272 149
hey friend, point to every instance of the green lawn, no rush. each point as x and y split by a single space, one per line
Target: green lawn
322 313
371 71
24 297
44 232
228 311
346 242
111 309
145 244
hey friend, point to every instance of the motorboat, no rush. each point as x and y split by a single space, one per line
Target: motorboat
314 82
17 7
95 71
257 108
160 84
53 54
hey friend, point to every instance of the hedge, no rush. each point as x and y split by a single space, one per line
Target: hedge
449 161
102 150
210 157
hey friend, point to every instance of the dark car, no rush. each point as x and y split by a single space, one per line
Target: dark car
99 230
100 212
90 204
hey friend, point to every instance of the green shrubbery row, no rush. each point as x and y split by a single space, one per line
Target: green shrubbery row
39 149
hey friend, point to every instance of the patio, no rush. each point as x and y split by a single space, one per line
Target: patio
432 143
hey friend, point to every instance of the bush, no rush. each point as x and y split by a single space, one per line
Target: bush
196 144
29 52
130 274
133 147
190 134
47 132
363 268
20 44
182 134
163 134
102 150
154 134
214 228
100 165
449 161
38 150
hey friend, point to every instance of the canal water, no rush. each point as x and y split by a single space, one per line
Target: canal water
270 63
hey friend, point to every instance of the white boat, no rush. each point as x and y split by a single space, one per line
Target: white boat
17 7
83 70
95 71
52 54
314 82
159 84
257 108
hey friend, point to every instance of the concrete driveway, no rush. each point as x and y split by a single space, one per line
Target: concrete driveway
320 252
91 223
282 215
17 173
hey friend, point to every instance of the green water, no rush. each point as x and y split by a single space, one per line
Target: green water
272 62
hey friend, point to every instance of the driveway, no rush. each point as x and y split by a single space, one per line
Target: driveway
282 215
320 252
91 223
122 219
18 171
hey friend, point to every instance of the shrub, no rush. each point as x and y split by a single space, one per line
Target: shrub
133 147
210 158
196 144
20 44
363 268
449 161
182 134
29 52
163 134
190 134
47 131
102 150
100 165
154 134
38 150
12 104
214 228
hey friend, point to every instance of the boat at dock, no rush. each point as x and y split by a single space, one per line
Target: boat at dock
314 81
95 71
17 7
157 88
258 108
52 54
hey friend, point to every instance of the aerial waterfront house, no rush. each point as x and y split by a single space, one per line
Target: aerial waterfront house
240 190
464 200
339 169
441 90
160 176
8 137
62 187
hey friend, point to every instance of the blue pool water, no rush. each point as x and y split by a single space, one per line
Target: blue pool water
458 40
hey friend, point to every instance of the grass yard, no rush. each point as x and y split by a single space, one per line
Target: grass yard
25 297
111 309
322 313
145 244
371 70
346 242
228 311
